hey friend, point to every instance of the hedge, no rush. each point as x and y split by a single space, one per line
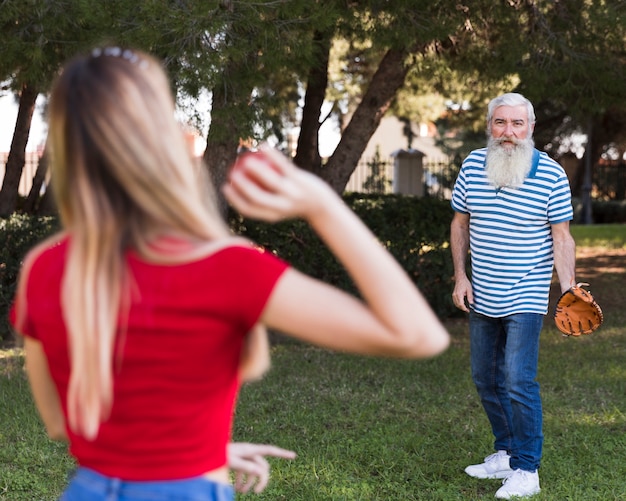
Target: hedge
415 230
602 211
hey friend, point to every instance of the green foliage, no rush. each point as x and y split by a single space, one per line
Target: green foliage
37 36
575 55
18 234
603 211
566 56
414 230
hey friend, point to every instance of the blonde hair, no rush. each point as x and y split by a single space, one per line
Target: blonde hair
123 177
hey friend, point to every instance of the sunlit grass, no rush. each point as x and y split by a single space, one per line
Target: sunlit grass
608 236
379 430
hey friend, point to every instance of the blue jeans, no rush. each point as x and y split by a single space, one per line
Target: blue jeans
504 358
88 485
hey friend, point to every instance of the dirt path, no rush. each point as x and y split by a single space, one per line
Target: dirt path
605 271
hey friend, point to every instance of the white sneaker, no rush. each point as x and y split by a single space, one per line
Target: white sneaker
495 466
521 484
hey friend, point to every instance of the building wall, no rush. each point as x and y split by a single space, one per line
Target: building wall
30 167
389 139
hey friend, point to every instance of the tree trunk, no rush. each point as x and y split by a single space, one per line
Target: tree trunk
17 155
218 157
222 144
389 77
47 205
307 152
31 202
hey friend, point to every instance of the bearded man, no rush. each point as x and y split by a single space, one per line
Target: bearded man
512 208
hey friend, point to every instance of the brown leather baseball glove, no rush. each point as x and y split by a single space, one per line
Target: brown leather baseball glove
577 312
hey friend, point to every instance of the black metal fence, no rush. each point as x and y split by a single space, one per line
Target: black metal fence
609 180
376 176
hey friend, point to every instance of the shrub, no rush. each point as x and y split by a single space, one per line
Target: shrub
415 230
602 211
18 234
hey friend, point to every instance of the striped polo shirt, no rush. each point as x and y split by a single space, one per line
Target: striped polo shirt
511 244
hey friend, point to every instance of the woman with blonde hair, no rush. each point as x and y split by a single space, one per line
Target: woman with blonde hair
142 317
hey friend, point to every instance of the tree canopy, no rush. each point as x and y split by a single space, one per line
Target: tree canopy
272 65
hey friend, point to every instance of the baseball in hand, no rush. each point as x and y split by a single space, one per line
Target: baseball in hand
251 163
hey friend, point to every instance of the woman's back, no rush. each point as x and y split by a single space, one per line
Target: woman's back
176 362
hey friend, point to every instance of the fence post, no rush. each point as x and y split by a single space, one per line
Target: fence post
586 188
408 172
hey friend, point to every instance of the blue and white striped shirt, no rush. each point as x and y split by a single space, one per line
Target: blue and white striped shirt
511 243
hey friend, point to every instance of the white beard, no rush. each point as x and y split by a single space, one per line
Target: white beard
508 167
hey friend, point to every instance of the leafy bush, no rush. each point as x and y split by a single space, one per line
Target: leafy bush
602 211
18 234
415 230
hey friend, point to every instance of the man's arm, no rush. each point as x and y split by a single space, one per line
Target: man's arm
564 255
459 244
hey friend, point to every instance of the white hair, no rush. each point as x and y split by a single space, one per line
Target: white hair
511 99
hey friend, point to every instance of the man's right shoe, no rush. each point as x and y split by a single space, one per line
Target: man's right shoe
519 484
495 466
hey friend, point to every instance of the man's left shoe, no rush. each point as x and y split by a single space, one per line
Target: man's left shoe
519 484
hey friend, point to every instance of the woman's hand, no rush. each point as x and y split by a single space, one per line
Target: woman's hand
266 185
250 466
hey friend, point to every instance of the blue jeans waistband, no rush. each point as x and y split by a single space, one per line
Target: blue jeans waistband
89 485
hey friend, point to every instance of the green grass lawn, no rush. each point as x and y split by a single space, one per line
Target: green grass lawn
609 236
377 429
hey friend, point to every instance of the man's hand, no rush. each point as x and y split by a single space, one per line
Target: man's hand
462 294
250 466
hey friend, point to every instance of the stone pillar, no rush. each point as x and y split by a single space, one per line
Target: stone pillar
408 172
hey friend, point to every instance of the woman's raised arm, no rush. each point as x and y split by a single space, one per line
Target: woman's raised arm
392 318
